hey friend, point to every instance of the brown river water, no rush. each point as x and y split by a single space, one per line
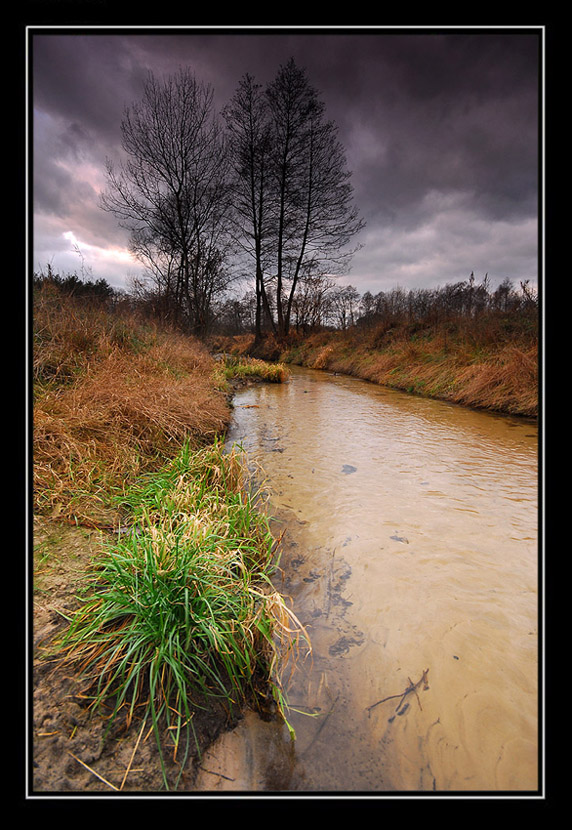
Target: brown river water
411 554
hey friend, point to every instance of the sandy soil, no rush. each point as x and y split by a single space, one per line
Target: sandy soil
69 753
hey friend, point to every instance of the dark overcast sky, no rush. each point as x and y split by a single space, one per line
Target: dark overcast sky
440 128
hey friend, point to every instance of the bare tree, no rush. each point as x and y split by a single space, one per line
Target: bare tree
314 215
171 193
296 193
345 303
247 122
311 305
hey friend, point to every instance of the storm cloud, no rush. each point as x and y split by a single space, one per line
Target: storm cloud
441 132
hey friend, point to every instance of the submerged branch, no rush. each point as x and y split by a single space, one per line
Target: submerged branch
412 687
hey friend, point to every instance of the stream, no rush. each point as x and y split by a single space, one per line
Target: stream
410 554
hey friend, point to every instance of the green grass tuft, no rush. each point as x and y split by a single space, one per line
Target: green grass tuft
182 608
243 368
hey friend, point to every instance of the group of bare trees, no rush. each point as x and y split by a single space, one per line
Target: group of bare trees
259 192
323 303
463 299
267 194
293 195
319 303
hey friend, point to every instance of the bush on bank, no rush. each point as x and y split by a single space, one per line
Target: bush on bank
251 368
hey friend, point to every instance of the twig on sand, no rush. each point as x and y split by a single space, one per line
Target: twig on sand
212 772
133 754
97 775
323 723
402 695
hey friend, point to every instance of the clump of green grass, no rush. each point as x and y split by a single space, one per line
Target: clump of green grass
243 368
182 609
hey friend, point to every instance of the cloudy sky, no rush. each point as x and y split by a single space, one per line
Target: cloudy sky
440 128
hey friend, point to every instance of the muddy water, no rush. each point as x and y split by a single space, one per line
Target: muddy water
410 554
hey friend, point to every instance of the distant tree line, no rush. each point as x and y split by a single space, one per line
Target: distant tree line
464 299
321 304
324 304
70 285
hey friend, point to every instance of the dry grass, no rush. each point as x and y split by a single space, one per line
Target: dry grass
239 345
112 395
508 381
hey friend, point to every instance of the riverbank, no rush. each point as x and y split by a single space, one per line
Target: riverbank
489 364
123 410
